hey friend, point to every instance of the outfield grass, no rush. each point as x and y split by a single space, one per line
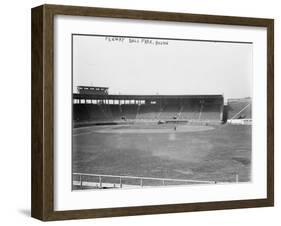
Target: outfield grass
216 154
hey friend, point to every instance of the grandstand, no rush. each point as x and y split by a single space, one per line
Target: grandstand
95 104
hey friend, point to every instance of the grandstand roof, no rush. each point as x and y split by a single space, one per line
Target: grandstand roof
92 87
141 97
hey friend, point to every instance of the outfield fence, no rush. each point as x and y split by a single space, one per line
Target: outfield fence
103 181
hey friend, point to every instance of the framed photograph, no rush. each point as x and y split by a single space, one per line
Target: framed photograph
142 112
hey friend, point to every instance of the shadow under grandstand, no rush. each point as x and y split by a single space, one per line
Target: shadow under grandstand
116 113
101 107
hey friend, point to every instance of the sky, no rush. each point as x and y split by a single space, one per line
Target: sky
139 66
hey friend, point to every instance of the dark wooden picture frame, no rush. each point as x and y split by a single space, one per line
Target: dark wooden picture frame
42 203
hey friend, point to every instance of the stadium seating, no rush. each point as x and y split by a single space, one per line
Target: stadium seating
89 112
190 111
129 111
193 110
148 111
105 109
116 112
169 111
211 112
234 107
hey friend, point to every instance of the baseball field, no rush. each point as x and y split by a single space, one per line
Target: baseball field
220 153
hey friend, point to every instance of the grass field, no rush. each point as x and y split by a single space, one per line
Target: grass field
216 152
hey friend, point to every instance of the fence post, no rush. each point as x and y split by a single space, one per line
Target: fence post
120 182
237 178
81 185
141 182
100 182
163 182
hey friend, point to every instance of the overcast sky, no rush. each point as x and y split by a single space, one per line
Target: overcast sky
154 66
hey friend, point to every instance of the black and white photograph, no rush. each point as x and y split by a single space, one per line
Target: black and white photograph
157 112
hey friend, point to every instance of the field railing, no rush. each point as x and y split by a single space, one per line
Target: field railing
99 181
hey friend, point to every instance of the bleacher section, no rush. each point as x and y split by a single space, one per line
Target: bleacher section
239 109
